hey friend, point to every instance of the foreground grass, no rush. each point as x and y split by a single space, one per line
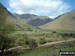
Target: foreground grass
43 52
68 49
37 52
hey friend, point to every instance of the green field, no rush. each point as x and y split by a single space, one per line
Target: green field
68 49
43 52
38 52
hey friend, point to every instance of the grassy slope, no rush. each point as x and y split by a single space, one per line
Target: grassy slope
64 22
19 25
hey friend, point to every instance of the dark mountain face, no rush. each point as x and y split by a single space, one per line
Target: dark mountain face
34 20
38 21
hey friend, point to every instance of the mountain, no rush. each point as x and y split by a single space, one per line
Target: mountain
25 16
19 25
62 22
33 20
39 21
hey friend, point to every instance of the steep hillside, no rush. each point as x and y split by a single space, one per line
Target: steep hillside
34 20
63 22
19 25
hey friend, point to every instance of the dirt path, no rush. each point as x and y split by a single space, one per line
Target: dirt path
44 45
56 43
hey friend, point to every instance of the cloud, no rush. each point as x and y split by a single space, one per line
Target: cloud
52 17
39 7
9 9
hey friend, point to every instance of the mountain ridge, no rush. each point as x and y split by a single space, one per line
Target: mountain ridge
34 19
65 22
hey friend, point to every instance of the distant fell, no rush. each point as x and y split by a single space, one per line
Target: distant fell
33 19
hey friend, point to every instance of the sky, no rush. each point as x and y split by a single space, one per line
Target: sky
51 8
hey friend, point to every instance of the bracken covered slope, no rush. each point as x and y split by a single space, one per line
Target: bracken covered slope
19 25
63 22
